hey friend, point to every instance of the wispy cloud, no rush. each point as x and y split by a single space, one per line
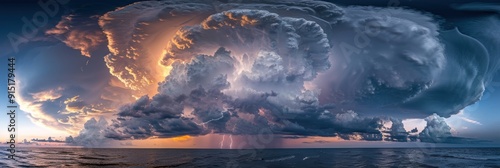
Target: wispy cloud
470 120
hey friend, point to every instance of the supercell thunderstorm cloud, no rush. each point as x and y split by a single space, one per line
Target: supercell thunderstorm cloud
297 68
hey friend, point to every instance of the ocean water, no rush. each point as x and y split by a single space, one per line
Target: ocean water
410 157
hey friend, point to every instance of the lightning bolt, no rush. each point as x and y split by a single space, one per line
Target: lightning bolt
231 144
231 138
222 142
215 119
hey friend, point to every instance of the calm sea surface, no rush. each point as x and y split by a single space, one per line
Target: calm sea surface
413 157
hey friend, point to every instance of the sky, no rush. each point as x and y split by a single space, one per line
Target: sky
254 74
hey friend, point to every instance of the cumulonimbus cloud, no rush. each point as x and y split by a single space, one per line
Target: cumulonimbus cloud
307 68
375 61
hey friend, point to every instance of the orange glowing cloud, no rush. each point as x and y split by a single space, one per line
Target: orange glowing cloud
84 38
48 95
137 39
183 138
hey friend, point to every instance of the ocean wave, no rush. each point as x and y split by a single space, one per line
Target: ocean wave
310 157
102 164
280 159
91 158
479 158
174 165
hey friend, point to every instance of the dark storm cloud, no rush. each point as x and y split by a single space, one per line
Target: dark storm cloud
382 58
479 7
191 103
297 68
473 59
92 134
430 71
483 25
461 83
437 130
162 115
398 132
385 60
